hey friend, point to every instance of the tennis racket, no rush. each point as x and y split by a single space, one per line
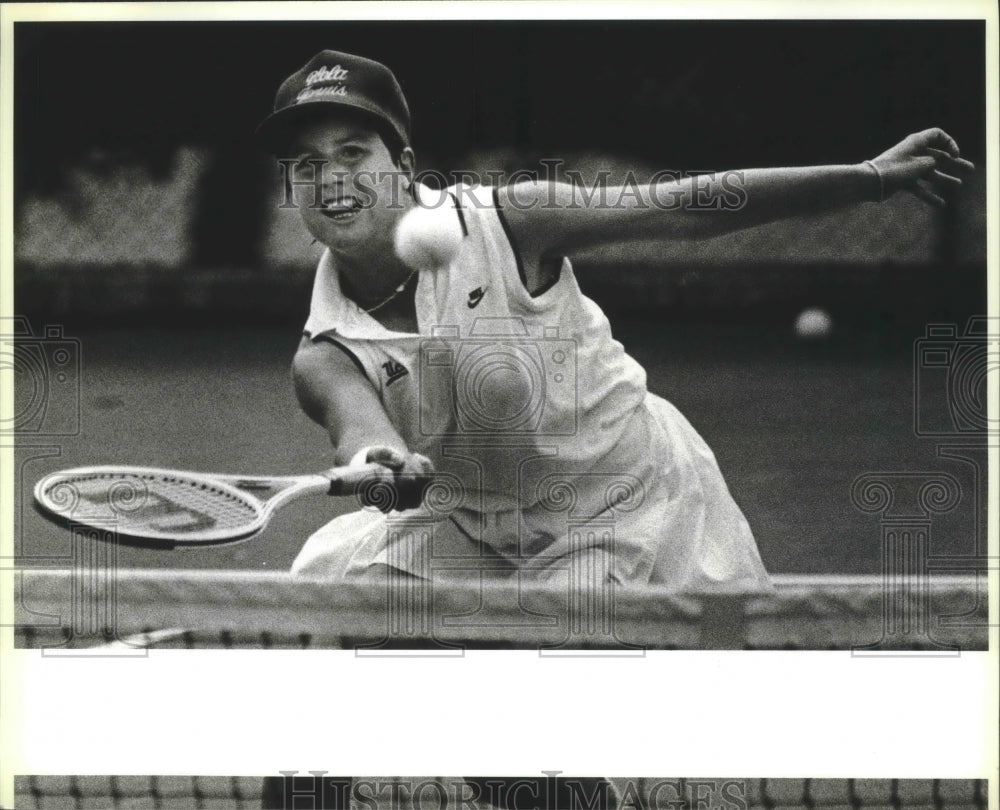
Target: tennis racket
173 507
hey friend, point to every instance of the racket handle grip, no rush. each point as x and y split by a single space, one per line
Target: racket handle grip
346 480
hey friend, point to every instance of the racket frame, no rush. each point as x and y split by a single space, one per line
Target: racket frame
336 481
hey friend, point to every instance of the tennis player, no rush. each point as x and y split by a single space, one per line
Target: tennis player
493 373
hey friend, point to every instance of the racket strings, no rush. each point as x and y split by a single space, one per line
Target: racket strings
172 503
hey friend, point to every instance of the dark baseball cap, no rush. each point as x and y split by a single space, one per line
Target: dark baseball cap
334 80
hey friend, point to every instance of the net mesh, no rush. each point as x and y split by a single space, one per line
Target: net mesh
651 793
107 608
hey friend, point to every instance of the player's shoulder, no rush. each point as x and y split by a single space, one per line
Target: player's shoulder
319 358
461 197
473 195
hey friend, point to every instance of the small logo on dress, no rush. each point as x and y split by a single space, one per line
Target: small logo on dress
475 297
394 370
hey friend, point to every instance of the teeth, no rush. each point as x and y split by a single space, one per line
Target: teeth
348 204
341 208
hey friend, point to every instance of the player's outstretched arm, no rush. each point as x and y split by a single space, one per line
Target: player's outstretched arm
334 393
560 217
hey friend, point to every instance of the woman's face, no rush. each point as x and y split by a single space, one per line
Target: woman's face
346 185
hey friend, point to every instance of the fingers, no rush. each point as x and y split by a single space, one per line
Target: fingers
946 180
938 137
407 477
928 164
387 456
924 164
952 163
941 181
412 480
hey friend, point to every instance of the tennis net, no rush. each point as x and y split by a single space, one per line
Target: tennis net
438 793
120 608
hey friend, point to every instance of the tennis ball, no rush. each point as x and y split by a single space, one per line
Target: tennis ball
428 238
813 323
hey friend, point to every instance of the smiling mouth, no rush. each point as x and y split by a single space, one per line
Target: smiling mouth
341 209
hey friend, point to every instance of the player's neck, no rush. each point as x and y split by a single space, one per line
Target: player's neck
368 283
372 280
371 271
387 292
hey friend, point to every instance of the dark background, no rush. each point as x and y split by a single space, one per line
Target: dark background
690 93
680 95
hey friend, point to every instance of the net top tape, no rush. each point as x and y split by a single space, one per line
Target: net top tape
240 608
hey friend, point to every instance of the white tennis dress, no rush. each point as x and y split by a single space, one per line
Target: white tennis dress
545 441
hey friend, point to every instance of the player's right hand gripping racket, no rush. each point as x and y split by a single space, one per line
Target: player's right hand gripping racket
173 507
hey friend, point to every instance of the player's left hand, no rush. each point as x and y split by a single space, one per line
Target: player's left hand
926 163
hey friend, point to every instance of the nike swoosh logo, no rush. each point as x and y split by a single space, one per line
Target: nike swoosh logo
475 297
